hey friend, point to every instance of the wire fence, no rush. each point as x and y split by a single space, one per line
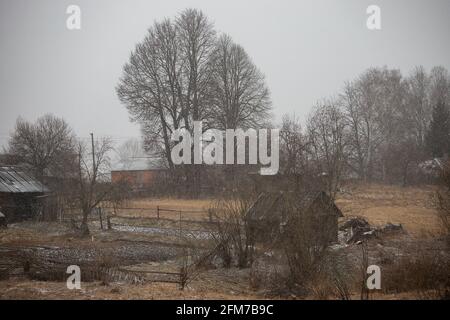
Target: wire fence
155 223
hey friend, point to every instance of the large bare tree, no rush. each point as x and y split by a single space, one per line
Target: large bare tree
181 73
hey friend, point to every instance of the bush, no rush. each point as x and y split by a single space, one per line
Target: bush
443 201
428 276
233 240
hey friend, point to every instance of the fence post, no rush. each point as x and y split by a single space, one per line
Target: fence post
157 211
100 216
108 221
180 224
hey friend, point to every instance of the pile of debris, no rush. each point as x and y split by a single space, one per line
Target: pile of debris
357 230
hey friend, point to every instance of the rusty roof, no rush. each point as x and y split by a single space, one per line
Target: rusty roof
17 180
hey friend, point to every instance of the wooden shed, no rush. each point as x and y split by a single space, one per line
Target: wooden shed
272 213
21 195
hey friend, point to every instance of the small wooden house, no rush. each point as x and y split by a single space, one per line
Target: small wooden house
21 195
273 213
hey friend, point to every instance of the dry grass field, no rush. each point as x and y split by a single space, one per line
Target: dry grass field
192 209
413 207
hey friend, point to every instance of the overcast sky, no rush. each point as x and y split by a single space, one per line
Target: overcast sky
306 49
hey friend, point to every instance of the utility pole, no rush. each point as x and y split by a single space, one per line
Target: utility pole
93 156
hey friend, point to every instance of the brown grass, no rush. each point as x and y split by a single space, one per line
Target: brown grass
413 207
191 209
209 286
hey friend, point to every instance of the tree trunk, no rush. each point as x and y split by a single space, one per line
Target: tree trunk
84 228
405 174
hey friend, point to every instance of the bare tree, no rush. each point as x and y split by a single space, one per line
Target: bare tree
439 86
47 145
92 183
128 152
326 132
293 151
181 73
418 101
386 116
233 237
362 108
196 39
359 127
293 143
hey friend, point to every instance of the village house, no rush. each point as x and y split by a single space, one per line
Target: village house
21 195
140 174
273 213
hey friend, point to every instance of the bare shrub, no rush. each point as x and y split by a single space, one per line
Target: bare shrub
195 260
193 263
303 253
101 267
342 288
118 196
443 201
269 277
336 276
331 280
233 238
92 186
428 276
363 269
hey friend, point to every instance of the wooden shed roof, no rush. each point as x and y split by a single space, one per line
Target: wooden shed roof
269 206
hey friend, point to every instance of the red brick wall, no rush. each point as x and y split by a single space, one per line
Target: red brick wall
136 179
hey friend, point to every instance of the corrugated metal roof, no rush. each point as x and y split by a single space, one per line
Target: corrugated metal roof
139 164
16 180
